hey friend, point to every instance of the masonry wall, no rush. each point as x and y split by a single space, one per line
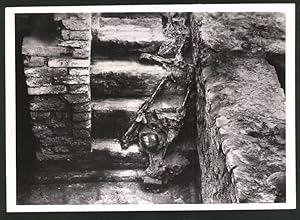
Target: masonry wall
57 73
240 104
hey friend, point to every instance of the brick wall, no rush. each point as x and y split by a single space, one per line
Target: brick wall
58 80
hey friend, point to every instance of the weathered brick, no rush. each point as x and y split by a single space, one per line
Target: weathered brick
39 115
34 61
44 90
60 115
78 89
82 116
83 124
79 71
82 107
52 141
77 98
82 133
41 131
38 81
62 131
45 71
77 24
70 80
39 103
55 149
76 35
82 53
74 44
63 16
84 143
68 62
44 50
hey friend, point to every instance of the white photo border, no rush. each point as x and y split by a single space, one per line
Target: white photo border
10 105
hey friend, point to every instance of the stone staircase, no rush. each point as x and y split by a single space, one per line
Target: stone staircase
119 86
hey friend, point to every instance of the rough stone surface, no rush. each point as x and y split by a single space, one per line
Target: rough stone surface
76 35
33 46
41 131
148 33
44 90
251 32
63 16
34 61
82 116
45 72
40 115
38 81
82 52
82 107
130 78
79 71
78 89
39 103
77 24
82 124
74 44
77 98
68 62
240 105
72 80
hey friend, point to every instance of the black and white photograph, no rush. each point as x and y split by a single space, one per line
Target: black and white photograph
162 107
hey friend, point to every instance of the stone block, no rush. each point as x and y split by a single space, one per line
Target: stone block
82 53
76 35
35 47
62 131
39 115
68 62
45 90
71 80
54 141
74 44
39 103
41 131
77 24
77 98
83 144
63 16
60 115
78 89
45 71
82 133
79 71
82 107
82 116
82 125
34 61
38 81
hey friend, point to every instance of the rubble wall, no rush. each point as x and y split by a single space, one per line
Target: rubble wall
56 66
240 104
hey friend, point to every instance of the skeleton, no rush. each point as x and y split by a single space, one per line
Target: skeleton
154 132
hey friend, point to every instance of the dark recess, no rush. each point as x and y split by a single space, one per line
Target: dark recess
278 61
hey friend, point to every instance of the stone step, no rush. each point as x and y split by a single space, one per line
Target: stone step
132 15
113 34
110 150
127 78
123 175
112 116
